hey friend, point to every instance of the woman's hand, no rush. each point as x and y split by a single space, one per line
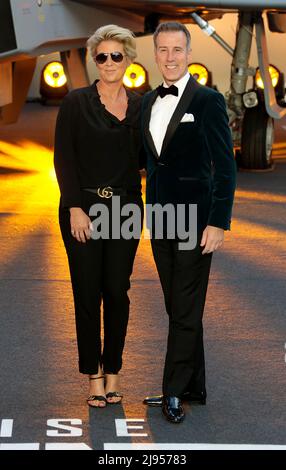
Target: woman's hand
81 225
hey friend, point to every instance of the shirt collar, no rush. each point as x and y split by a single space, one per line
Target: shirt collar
180 84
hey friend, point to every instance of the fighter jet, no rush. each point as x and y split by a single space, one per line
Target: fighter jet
30 28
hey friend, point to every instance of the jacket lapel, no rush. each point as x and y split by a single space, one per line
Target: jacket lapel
186 98
146 121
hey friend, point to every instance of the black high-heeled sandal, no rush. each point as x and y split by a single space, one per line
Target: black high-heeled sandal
96 397
114 394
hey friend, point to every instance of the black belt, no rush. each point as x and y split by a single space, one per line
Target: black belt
107 191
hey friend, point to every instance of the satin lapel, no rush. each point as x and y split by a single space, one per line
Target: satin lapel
189 92
146 122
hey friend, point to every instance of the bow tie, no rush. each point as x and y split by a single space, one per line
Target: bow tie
164 91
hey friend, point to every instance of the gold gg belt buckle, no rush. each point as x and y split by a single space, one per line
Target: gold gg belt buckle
105 192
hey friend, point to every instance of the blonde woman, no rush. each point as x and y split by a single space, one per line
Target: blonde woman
97 145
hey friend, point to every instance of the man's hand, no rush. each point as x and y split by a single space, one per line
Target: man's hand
212 239
81 225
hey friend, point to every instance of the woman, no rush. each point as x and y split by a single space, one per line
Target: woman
97 146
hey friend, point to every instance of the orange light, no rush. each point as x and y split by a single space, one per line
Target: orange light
135 76
54 75
199 72
274 75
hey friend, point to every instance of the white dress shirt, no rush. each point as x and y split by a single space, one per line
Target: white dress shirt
162 111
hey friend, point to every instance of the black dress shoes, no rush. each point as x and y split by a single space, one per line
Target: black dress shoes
157 400
172 409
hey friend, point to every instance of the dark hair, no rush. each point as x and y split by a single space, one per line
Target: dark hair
171 26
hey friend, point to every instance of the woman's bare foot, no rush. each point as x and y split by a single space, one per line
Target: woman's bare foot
111 388
97 398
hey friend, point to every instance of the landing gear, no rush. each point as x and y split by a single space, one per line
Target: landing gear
257 139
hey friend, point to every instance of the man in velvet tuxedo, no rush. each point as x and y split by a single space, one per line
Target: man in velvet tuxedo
189 161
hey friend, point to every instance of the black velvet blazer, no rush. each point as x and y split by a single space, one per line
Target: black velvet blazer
196 165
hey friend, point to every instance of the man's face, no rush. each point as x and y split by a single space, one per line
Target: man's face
172 55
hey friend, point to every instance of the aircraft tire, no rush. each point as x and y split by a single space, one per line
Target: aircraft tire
257 139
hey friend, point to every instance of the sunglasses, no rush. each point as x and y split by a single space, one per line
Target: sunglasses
115 57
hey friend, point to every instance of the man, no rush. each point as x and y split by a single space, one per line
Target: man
189 160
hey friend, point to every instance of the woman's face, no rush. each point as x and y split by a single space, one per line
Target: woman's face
111 71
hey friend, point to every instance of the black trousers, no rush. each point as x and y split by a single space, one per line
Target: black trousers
184 278
100 271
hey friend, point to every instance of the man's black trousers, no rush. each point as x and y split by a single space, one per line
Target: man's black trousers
184 278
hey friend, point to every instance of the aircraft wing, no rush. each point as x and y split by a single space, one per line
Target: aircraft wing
154 10
183 7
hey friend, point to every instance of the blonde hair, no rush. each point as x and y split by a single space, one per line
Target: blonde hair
112 32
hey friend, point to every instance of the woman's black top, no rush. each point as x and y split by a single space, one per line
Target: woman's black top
93 148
